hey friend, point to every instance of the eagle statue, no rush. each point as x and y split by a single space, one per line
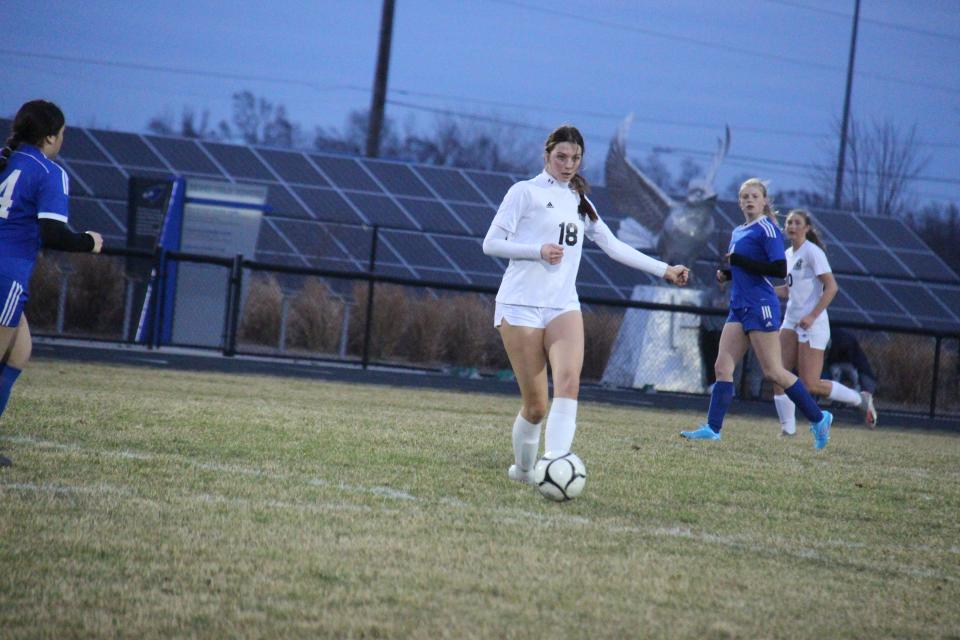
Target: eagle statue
678 230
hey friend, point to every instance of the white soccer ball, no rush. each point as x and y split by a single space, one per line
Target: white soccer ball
560 478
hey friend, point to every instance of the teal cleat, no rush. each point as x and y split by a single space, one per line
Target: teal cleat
703 433
821 430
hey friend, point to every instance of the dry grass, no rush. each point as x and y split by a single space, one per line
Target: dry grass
95 294
149 504
904 365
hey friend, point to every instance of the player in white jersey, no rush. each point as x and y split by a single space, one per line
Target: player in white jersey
805 332
540 228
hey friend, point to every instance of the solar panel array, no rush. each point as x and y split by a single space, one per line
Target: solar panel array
322 208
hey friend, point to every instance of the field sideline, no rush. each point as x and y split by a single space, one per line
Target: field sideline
161 503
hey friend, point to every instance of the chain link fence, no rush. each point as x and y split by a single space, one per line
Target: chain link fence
297 311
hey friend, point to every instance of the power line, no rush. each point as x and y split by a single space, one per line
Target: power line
222 75
226 75
656 147
720 46
882 23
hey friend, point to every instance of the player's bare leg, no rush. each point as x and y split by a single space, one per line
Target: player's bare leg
564 344
525 350
15 347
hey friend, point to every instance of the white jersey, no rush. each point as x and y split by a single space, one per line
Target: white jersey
803 268
536 212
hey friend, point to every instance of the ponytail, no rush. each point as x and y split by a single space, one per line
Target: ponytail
580 185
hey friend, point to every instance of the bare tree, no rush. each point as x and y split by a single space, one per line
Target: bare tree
258 121
882 161
190 125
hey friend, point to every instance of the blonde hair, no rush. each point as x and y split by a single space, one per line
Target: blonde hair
812 234
768 209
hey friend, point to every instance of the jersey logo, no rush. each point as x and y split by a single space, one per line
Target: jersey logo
549 205
799 265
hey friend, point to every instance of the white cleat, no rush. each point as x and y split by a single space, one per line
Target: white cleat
868 410
517 474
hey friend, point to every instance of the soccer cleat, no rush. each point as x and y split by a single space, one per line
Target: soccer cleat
703 433
5 461
517 474
868 410
821 430
787 434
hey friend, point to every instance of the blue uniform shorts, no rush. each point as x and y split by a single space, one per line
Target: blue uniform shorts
759 317
13 296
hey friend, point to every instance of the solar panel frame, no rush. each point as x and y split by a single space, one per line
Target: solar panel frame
380 209
449 184
909 277
927 266
292 167
879 262
329 205
397 178
238 162
90 213
918 299
100 180
344 173
476 218
493 186
127 149
185 156
78 145
431 215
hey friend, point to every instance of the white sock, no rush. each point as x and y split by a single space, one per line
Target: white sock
526 442
787 412
561 425
843 394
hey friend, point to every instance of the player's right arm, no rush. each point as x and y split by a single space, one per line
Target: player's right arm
498 240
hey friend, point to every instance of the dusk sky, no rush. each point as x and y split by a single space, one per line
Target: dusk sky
774 70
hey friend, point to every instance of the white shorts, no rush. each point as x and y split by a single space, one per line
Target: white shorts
817 335
521 315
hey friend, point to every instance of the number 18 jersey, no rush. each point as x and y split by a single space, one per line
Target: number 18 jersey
539 211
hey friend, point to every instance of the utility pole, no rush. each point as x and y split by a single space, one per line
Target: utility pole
375 124
838 190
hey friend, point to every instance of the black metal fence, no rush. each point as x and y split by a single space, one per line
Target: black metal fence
369 318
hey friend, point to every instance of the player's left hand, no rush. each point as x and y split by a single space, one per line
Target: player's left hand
806 322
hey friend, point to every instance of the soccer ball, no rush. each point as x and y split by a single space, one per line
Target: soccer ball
560 478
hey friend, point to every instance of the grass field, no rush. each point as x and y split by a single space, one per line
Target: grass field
149 503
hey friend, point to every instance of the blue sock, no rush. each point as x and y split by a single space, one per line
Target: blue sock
8 375
802 398
720 399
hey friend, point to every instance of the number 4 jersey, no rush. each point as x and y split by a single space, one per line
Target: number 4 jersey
537 212
31 187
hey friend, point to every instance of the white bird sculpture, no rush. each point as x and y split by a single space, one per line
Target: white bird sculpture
677 230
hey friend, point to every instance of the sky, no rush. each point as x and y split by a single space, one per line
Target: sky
773 70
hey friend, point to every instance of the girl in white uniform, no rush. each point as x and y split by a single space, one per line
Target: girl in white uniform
540 228
805 331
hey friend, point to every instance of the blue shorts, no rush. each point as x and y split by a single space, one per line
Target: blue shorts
761 317
13 296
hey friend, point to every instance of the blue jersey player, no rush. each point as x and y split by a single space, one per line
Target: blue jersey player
33 209
756 252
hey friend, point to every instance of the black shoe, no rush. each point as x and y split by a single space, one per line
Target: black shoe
5 461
